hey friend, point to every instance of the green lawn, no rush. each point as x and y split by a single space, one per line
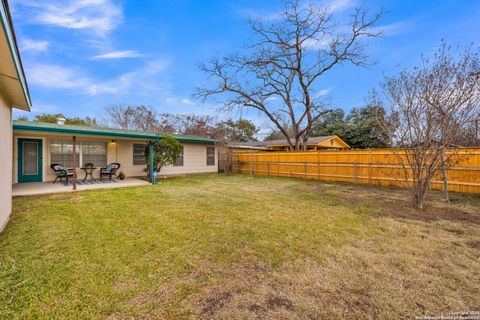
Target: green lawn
238 247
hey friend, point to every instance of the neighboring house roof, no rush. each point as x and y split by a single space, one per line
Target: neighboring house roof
240 145
283 142
13 85
102 131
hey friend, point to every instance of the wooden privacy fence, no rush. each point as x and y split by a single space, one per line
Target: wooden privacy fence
371 166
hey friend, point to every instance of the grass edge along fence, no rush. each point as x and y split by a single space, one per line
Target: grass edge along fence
367 166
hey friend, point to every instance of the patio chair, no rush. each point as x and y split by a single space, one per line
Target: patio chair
109 171
61 172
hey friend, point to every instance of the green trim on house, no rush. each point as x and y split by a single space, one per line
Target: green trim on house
7 27
19 125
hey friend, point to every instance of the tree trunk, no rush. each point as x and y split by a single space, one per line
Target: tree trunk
444 174
305 142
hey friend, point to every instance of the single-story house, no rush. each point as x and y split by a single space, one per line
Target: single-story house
37 145
313 143
13 94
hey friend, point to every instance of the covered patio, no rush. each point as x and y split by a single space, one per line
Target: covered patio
38 188
83 156
90 157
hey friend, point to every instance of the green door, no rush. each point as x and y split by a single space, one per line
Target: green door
29 160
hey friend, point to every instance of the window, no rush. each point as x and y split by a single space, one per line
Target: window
210 156
93 152
179 161
87 152
139 157
61 152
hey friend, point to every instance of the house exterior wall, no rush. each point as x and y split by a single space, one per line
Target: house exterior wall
6 157
195 160
121 151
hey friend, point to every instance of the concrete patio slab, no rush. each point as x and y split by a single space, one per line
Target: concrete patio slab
37 188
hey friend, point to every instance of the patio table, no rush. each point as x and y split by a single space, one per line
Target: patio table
89 172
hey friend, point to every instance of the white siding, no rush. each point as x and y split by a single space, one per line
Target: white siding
6 158
194 155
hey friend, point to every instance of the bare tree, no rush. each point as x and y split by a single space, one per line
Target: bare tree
199 125
146 118
166 123
472 133
119 115
432 105
131 117
279 74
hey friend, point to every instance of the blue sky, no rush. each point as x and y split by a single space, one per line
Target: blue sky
81 55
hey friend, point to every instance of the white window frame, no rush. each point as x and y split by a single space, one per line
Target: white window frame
210 156
137 154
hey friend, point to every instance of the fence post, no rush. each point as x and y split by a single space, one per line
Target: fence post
318 165
370 166
251 163
305 170
355 171
268 168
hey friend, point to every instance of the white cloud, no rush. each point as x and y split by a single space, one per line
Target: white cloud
33 45
98 16
117 55
44 108
339 5
140 82
57 77
385 30
316 44
182 105
272 98
322 92
188 101
333 6
183 101
393 28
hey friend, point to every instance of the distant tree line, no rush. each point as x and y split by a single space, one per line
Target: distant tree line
145 118
361 128
52 118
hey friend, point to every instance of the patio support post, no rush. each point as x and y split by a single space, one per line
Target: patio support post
74 153
152 175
